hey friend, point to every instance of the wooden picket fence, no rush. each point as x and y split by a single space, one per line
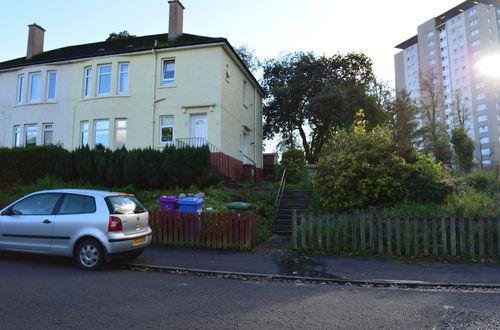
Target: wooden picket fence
452 236
229 231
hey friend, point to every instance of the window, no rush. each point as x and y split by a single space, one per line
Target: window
476 43
123 79
481 107
228 74
48 131
74 204
476 53
430 34
166 129
486 162
474 33
432 61
480 96
479 85
245 92
482 118
51 85
39 204
104 82
101 133
430 43
35 85
30 135
473 12
20 89
17 136
120 133
88 82
84 133
483 129
473 22
485 152
485 139
168 77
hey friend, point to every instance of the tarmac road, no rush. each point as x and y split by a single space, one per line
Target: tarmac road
46 292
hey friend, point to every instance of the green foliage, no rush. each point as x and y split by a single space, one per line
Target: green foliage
319 93
429 181
359 169
248 56
472 204
120 36
463 145
294 161
403 123
413 210
487 181
142 168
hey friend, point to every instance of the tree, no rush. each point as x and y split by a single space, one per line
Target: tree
248 56
460 111
433 133
403 119
463 145
120 36
310 97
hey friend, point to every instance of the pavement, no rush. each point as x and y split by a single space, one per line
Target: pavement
281 263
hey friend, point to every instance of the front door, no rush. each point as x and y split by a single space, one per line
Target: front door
244 148
198 127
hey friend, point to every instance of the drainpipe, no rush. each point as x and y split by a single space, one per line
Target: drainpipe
155 57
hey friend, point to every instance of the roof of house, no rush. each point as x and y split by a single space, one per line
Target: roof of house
119 46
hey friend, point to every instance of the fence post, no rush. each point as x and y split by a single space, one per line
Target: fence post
337 232
461 226
353 232
443 236
434 237
345 226
320 236
498 234
294 228
426 236
407 237
311 230
380 236
303 229
480 229
328 231
491 248
389 236
398 237
415 236
453 241
372 234
362 231
471 237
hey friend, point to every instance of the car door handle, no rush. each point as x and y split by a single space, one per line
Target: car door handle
46 221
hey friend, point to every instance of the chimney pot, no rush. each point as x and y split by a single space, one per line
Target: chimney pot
35 40
175 19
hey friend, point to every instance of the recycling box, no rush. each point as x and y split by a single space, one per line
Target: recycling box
169 203
238 207
191 204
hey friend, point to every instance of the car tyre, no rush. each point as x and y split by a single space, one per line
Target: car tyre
90 254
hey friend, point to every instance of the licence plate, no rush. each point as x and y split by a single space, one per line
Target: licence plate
139 241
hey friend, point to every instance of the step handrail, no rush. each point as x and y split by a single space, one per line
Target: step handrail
280 189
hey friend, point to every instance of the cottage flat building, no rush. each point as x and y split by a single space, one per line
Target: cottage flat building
153 91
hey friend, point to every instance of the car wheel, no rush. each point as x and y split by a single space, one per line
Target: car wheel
134 254
90 254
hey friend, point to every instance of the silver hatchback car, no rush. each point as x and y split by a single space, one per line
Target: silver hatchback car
89 225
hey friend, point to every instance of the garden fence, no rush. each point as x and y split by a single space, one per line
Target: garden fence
206 230
443 236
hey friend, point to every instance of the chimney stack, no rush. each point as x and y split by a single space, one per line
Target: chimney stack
35 40
176 11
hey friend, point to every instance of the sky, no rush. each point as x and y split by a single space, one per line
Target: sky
270 27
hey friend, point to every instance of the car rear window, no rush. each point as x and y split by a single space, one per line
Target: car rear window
124 204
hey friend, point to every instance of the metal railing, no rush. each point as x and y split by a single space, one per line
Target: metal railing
247 158
280 190
218 160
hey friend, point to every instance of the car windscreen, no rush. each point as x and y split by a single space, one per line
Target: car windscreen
124 204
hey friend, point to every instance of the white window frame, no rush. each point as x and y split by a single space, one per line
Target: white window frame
87 82
168 81
167 126
20 89
482 118
481 107
96 130
18 137
31 89
485 151
484 139
121 74
27 130
101 75
84 131
483 129
48 127
245 92
51 74
120 129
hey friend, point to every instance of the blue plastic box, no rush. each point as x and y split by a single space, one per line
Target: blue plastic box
191 205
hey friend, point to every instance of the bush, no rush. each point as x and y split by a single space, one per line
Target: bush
294 161
472 204
487 181
358 169
429 180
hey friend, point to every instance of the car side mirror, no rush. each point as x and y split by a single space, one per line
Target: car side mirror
7 212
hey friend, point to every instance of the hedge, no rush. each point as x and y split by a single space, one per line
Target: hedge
143 168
